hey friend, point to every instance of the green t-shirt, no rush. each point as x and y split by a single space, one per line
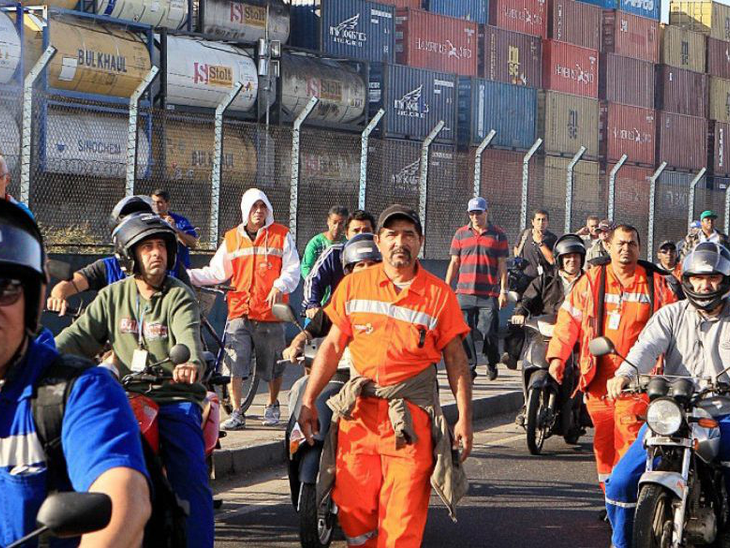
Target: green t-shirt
314 249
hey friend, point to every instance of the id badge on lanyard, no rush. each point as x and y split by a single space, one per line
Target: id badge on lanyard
139 357
614 317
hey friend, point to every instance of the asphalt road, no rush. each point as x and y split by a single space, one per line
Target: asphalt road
515 500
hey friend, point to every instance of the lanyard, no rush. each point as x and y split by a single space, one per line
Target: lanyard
140 323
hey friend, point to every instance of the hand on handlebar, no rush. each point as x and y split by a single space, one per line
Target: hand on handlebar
615 386
309 422
57 304
311 312
185 373
557 369
517 320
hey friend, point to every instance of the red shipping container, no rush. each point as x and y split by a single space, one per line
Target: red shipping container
526 16
570 69
630 35
632 196
416 4
718 58
575 22
681 91
512 57
719 145
626 81
628 130
682 141
436 42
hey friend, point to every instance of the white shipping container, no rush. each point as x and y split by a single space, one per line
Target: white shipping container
10 52
9 139
245 21
169 14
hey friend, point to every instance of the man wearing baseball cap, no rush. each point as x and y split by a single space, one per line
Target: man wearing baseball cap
706 233
667 262
598 250
479 252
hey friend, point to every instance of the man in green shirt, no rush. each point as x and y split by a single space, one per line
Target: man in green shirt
335 234
143 317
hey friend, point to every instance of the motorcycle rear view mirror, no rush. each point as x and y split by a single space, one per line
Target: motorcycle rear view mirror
179 353
71 514
601 346
59 270
513 297
285 313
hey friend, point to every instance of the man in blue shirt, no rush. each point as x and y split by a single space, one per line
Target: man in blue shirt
100 437
187 236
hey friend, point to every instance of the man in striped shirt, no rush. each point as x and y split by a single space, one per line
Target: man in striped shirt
478 254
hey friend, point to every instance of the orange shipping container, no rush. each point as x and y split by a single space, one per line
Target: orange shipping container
628 130
526 16
570 69
630 35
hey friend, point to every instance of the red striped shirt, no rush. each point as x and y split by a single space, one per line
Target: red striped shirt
479 254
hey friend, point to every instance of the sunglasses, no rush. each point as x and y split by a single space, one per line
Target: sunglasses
667 251
10 291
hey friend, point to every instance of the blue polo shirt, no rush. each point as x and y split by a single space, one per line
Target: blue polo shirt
99 433
183 252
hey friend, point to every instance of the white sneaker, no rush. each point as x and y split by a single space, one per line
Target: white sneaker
236 421
272 414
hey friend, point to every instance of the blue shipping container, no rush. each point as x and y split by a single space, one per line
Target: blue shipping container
349 28
605 4
414 101
510 110
473 10
651 9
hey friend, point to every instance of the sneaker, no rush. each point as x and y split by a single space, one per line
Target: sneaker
492 372
509 361
520 418
272 414
236 421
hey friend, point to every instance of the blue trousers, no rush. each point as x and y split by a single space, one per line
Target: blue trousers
183 454
622 487
482 314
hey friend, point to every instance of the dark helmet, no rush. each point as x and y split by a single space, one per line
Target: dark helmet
359 248
23 256
706 258
137 227
569 243
127 206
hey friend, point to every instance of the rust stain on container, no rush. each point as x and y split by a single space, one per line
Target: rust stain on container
570 69
682 140
628 130
512 57
626 81
575 22
630 35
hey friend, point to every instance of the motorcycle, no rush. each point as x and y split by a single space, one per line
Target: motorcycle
517 280
551 408
682 494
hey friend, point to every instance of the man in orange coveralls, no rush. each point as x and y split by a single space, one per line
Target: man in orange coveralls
614 299
398 320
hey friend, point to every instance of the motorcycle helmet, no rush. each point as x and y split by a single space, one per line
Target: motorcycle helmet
23 256
138 227
127 206
567 244
360 248
706 258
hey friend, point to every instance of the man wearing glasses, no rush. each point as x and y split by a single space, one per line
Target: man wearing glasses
667 260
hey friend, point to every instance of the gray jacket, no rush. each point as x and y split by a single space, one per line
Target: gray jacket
691 343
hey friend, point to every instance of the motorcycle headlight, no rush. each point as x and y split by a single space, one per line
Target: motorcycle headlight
664 417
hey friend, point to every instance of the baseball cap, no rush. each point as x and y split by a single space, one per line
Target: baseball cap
477 204
401 211
708 214
606 225
695 224
667 243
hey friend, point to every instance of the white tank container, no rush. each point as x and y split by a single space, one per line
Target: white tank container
9 139
201 73
246 20
10 48
92 144
169 14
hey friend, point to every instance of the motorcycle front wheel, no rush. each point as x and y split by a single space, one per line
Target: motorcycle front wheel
654 519
313 531
536 423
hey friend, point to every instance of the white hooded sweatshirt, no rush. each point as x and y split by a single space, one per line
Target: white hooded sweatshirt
220 268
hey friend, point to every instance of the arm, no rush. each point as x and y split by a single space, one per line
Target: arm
320 278
58 301
457 370
289 278
186 232
453 269
531 301
653 341
567 328
185 329
218 271
86 337
503 284
310 257
546 247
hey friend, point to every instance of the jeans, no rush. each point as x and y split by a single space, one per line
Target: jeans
482 315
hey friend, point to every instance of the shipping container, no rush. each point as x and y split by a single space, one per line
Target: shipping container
10 48
682 140
709 18
631 198
512 57
415 4
436 42
9 139
244 20
630 35
170 14
718 58
644 8
443 189
90 58
683 48
471 10
628 130
565 122
526 16
626 81
719 148
201 73
509 110
575 22
671 205
604 4
719 100
351 28
587 192
501 186
65 4
414 101
681 91
570 69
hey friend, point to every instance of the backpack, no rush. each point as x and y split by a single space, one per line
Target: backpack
166 526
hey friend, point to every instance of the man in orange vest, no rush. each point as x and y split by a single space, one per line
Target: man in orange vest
398 320
260 258
615 299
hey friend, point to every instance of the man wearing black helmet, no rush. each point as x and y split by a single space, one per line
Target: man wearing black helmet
100 448
692 336
143 317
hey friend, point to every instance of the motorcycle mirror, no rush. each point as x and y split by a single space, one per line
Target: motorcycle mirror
59 270
601 346
513 297
285 313
179 353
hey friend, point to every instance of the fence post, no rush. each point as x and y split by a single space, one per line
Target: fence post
423 178
692 190
132 129
526 182
569 187
727 209
365 139
612 186
294 185
652 200
478 161
215 185
27 129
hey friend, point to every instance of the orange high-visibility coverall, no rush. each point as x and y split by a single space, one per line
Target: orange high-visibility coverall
383 492
627 309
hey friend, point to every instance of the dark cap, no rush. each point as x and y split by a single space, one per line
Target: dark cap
402 212
667 243
605 225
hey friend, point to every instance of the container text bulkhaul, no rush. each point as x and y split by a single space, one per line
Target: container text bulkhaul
102 60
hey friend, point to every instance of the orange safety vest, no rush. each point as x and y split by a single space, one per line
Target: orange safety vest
256 266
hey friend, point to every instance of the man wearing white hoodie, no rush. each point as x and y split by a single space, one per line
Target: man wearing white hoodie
260 258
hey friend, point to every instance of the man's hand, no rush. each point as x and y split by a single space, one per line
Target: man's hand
464 436
294 350
57 304
537 236
311 312
615 386
185 373
309 422
583 231
502 300
517 319
273 297
170 221
557 368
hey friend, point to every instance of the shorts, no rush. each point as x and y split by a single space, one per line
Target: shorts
248 339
